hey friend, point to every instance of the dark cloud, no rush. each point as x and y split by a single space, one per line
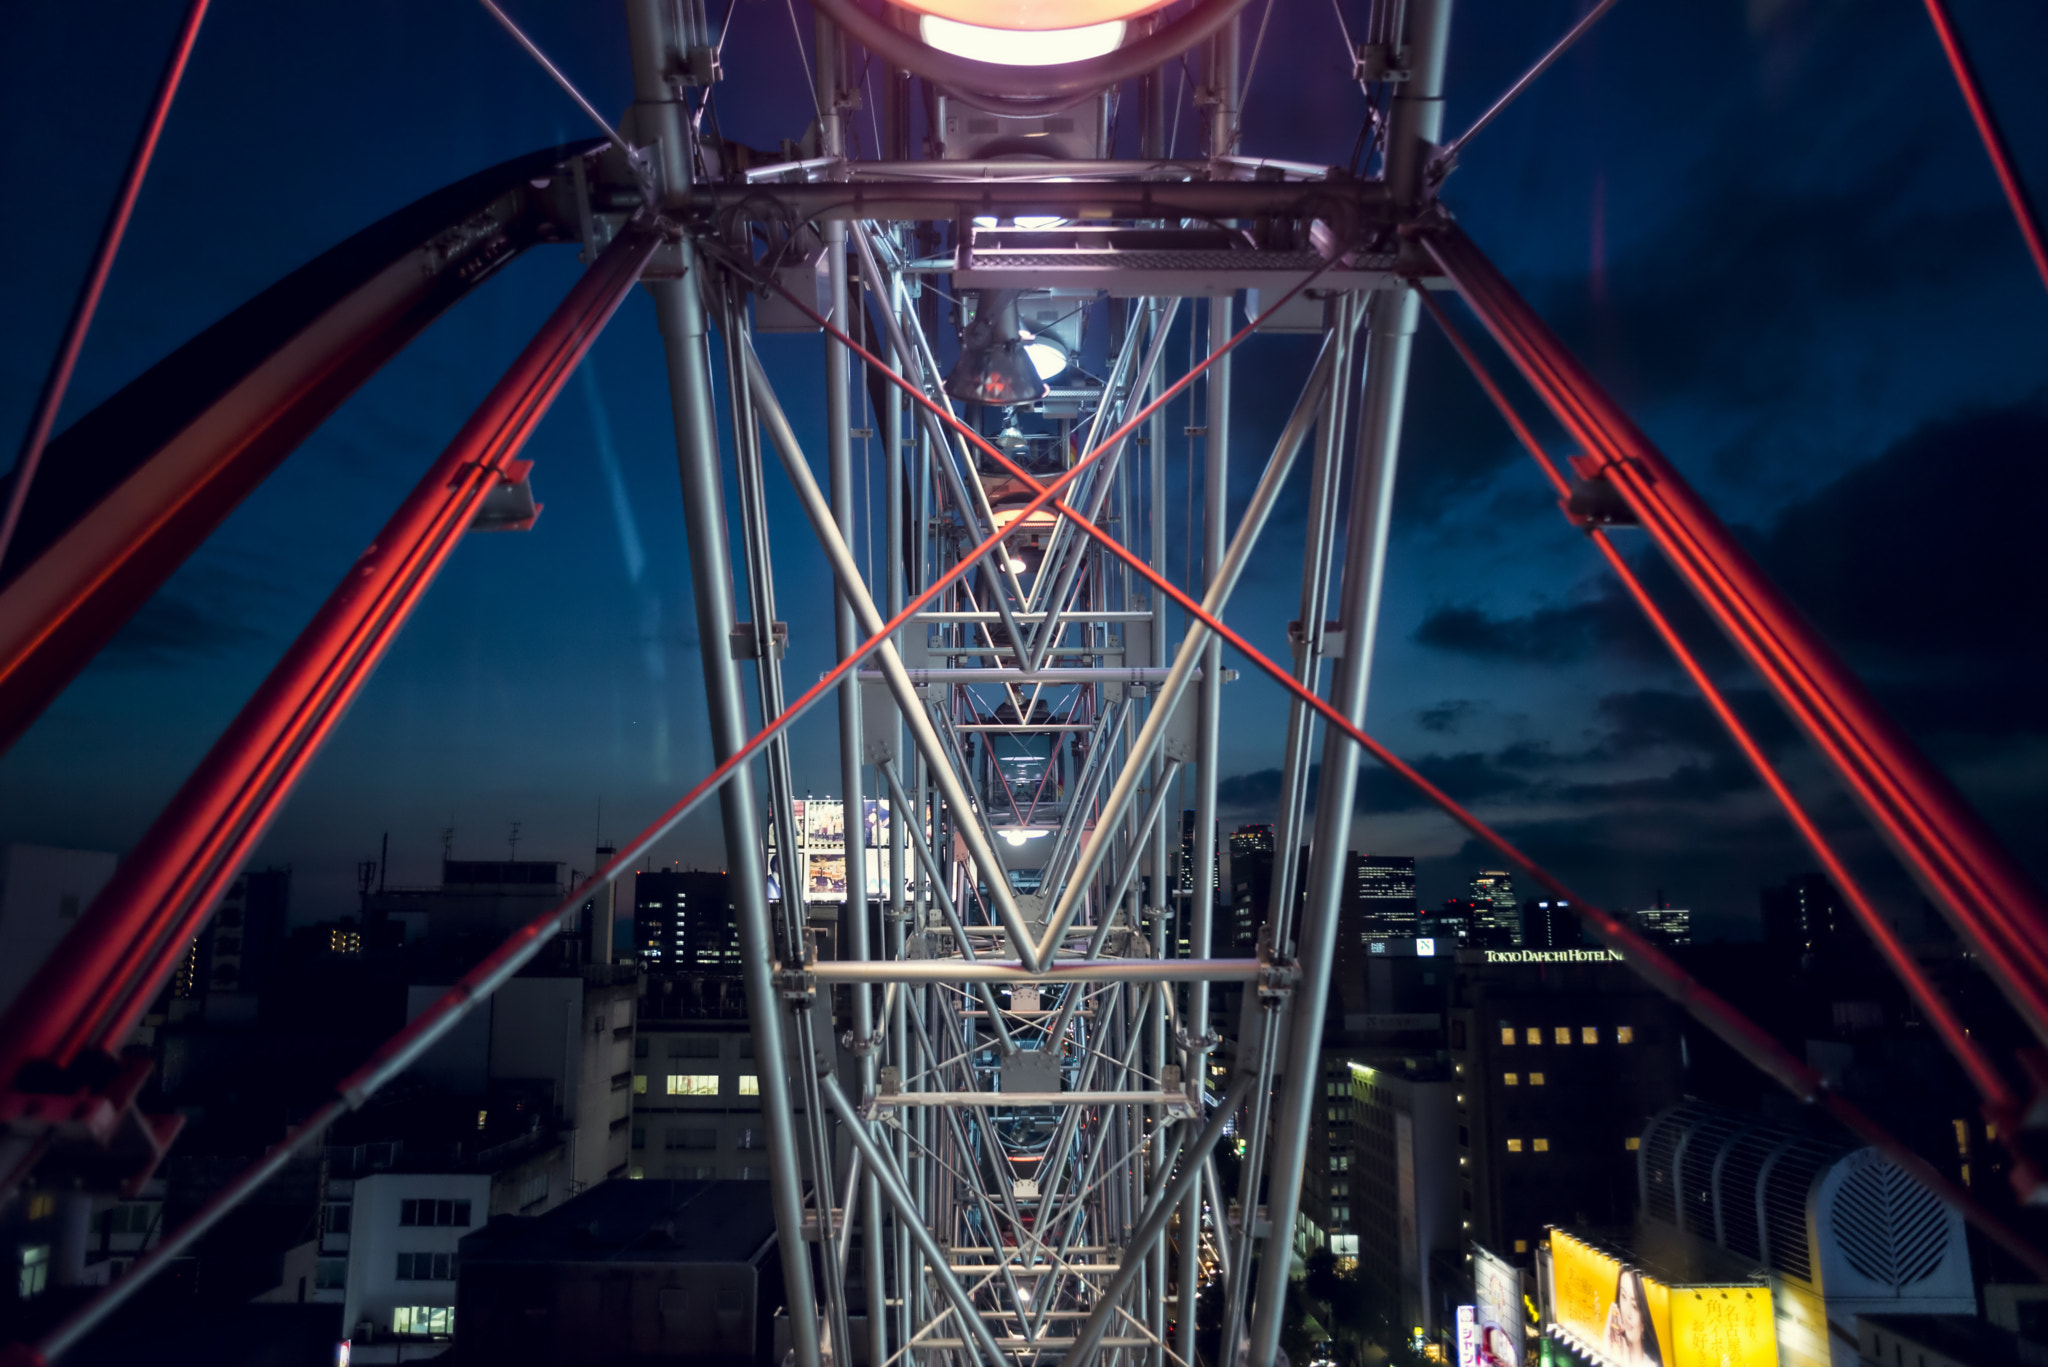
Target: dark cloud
1921 564
1446 717
176 627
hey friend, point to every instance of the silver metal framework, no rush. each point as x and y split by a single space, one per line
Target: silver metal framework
1017 1163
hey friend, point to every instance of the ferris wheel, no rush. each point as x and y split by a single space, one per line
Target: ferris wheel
1049 1035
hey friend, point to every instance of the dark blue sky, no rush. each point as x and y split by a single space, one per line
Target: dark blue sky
1767 226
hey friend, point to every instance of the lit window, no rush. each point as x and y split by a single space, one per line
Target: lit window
1991 1131
1514 1146
437 1321
750 1084
639 1084
1962 1137
1564 1034
1535 1079
1535 1035
1507 1034
481 1117
1589 1034
1521 1245
1632 1143
1966 1174
693 1084
1543 1146
1624 1034
34 1271
1511 1079
42 1205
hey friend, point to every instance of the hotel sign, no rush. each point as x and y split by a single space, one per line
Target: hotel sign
1552 956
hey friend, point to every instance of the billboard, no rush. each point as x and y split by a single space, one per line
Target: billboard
817 869
1623 1317
1497 1286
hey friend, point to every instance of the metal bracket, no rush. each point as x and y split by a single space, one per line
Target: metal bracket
509 506
1278 979
745 646
1328 644
1595 502
796 986
1381 62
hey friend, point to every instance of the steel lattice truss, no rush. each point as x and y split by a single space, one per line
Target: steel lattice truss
1018 1165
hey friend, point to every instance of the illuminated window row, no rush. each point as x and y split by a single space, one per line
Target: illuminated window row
1536 1145
1515 1079
703 1084
1562 1034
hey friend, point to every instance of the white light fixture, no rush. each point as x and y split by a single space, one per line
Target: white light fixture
1047 358
1017 836
1039 220
1020 47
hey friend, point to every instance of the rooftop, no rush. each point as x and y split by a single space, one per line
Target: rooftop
636 1222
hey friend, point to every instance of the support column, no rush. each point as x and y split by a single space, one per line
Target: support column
679 310
1415 124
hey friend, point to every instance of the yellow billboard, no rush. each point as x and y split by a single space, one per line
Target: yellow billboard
1624 1318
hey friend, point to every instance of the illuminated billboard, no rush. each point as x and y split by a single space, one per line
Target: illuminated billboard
1497 1328
1621 1317
818 868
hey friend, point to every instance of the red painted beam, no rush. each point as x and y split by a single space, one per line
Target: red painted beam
131 489
110 966
1933 830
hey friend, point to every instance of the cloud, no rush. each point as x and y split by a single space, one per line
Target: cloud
178 626
1921 565
1446 717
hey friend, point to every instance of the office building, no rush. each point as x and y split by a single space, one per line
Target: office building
648 1272
1251 887
683 921
1402 1184
1186 883
1803 915
1382 889
697 1100
1664 924
1550 923
1560 1059
478 903
1497 914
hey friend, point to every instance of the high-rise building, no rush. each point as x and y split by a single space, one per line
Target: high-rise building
1802 915
1251 840
1186 883
1549 923
1251 887
1382 887
1561 1057
1402 1185
683 921
1497 915
1666 924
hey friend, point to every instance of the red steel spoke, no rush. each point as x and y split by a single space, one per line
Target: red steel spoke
1991 1085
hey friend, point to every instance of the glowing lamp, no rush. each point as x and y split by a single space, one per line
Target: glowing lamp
1047 358
994 367
1020 47
1028 16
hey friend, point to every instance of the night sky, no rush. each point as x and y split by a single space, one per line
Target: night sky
1767 226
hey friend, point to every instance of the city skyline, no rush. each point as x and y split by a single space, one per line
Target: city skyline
1509 670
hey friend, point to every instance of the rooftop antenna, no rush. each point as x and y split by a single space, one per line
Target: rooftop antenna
514 842
448 840
383 860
